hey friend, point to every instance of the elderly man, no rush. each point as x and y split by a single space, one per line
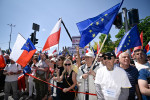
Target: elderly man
11 81
111 82
132 73
144 73
85 78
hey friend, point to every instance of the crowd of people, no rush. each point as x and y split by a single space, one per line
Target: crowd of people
63 77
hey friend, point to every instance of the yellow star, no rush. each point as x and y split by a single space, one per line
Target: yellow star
91 24
90 31
127 43
105 14
102 19
93 35
121 46
129 40
128 36
127 33
97 23
124 45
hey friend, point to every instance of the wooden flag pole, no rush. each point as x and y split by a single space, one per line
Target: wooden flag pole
99 52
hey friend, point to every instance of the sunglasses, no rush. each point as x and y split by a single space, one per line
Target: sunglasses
59 60
100 56
109 58
67 64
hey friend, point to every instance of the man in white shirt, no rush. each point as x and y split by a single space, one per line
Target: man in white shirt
11 81
144 73
111 81
140 58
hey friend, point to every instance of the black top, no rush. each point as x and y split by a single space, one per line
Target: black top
67 80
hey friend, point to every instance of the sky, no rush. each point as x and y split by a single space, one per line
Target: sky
23 13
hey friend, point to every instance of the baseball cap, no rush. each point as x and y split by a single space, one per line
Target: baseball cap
90 54
110 54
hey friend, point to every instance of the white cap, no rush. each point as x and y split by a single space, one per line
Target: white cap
90 54
53 59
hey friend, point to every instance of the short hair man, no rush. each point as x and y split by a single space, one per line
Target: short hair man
111 81
132 73
140 59
144 73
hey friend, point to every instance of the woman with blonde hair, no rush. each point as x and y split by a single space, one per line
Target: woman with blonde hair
69 80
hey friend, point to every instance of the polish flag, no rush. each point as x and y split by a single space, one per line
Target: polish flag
98 47
54 52
147 47
53 39
2 61
117 54
22 51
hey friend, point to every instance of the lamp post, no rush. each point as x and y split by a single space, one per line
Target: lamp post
11 25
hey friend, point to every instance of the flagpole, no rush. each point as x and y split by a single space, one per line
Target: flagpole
99 52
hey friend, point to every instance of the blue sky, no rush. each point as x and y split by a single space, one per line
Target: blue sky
23 13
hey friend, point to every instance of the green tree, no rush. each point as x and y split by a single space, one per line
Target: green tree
108 45
145 27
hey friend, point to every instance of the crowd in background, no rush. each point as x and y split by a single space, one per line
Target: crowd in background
66 77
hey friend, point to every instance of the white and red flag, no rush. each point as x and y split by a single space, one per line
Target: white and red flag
98 48
22 51
53 38
117 54
147 47
2 61
54 52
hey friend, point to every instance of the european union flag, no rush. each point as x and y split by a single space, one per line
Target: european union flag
28 46
130 39
101 23
26 69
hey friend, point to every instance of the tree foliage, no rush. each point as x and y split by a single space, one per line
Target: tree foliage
108 45
144 26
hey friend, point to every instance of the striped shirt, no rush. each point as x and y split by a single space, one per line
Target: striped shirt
132 73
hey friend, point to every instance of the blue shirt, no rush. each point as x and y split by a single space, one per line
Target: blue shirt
143 75
132 73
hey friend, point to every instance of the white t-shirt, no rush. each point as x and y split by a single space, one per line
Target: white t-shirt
141 66
12 68
111 82
33 73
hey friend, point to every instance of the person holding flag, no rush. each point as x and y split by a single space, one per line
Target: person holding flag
85 77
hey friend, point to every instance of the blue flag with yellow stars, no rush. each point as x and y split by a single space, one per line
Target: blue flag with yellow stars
130 39
102 23
28 46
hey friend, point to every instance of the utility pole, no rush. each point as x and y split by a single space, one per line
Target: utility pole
124 10
11 25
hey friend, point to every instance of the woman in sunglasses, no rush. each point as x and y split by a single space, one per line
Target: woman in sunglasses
69 81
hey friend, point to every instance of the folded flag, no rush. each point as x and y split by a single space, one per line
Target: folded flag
130 39
2 61
22 51
102 23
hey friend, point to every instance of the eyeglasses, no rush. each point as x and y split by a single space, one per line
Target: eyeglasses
67 64
100 56
109 58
